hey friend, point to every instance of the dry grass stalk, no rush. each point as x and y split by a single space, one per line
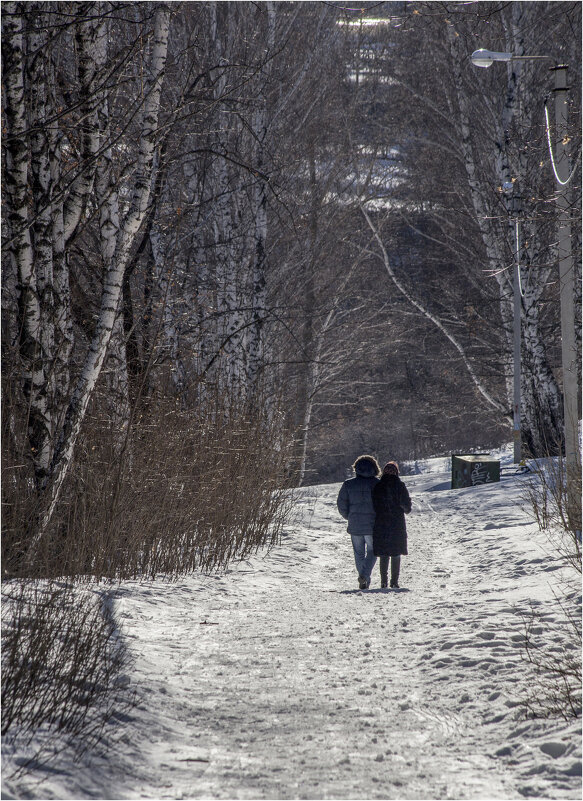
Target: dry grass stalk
555 654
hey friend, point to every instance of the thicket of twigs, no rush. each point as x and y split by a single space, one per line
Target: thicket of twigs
184 492
555 653
61 660
179 491
557 509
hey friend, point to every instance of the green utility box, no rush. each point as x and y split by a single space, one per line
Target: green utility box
473 469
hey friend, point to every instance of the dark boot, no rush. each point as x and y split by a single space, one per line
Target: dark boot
395 568
384 566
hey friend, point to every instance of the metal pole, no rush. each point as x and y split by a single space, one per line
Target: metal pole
517 328
567 289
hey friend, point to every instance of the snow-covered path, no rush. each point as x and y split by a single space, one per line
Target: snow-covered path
279 680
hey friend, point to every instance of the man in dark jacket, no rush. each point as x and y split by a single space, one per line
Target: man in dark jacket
391 503
355 505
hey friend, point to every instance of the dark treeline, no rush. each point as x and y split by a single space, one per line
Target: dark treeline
278 217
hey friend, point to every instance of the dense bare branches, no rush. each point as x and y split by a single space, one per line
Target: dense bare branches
488 127
197 174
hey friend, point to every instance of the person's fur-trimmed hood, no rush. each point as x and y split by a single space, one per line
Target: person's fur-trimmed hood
367 467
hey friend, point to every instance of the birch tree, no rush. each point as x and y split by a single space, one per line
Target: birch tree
48 161
118 238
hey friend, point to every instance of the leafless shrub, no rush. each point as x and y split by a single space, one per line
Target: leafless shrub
187 491
201 490
556 507
556 654
61 658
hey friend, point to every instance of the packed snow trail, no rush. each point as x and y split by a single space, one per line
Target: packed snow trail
280 680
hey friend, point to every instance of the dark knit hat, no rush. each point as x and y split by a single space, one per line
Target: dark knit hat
391 469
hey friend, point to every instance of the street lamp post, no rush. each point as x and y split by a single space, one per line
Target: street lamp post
517 432
485 58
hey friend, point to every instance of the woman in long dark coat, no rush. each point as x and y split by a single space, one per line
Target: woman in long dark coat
391 503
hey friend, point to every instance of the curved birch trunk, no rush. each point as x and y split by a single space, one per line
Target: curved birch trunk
492 401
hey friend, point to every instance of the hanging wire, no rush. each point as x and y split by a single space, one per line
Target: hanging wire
548 129
517 232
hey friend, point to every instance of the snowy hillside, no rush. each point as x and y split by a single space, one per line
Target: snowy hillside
280 680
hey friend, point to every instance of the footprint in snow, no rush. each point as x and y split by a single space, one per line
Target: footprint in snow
553 749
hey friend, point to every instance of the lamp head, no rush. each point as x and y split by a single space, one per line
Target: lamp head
485 58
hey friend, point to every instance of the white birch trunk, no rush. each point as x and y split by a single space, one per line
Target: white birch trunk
90 37
61 293
312 389
231 320
539 384
107 195
310 340
198 266
41 192
114 276
21 250
313 382
491 238
541 398
230 315
117 383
